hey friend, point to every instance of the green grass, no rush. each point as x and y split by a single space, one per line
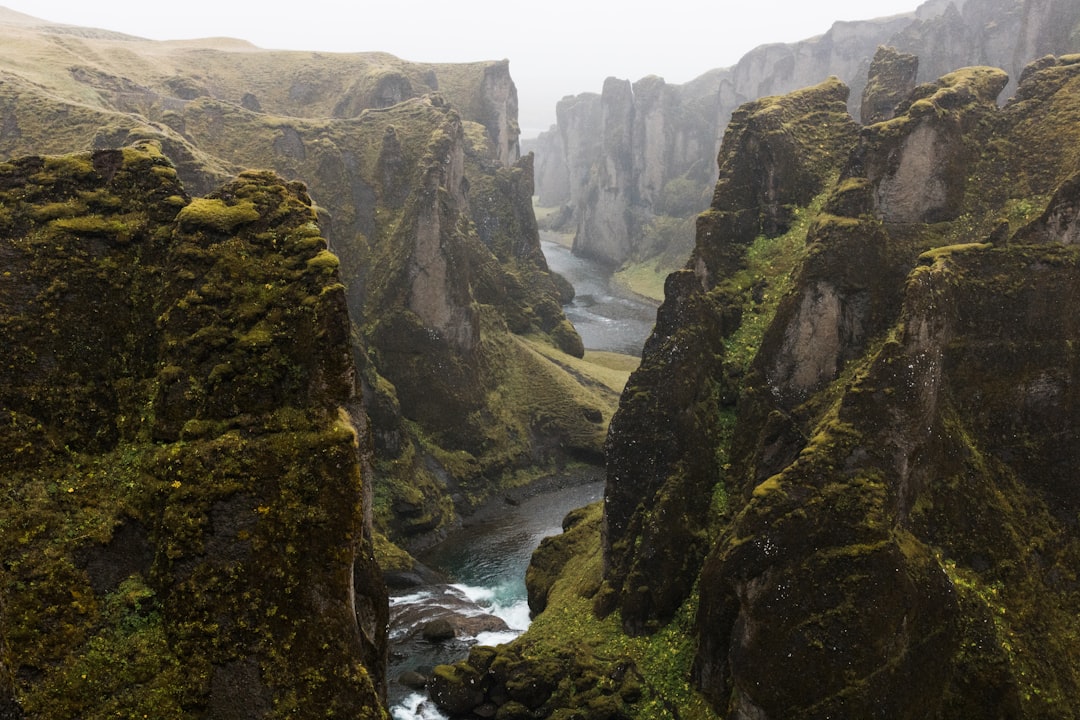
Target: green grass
609 369
645 279
770 265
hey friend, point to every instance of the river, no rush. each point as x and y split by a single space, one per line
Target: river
606 317
486 560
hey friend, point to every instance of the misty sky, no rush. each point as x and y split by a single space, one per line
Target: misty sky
560 47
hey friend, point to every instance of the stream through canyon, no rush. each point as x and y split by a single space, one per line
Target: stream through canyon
484 599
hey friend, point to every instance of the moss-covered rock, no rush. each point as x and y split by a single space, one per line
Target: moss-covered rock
892 77
896 523
779 154
919 162
414 171
549 560
186 504
876 513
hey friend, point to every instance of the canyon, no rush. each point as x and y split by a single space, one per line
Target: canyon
278 321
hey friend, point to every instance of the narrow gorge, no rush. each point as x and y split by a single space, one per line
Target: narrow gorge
299 342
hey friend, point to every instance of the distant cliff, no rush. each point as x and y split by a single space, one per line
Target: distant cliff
187 468
628 160
415 173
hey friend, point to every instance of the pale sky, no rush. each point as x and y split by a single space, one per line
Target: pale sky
556 48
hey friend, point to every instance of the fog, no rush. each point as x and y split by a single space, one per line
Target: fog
561 47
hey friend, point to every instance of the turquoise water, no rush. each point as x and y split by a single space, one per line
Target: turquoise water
486 563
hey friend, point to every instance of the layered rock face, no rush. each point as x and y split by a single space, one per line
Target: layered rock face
613 184
897 536
187 468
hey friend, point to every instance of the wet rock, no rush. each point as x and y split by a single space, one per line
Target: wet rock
412 679
437 610
416 576
438 630
456 689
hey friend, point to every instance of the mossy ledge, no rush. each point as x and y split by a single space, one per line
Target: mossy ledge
184 499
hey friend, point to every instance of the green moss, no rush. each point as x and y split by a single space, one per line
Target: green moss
391 557
127 670
216 215
767 276
931 256
120 229
324 260
54 210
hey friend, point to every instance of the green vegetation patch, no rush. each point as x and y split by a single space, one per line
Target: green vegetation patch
216 215
767 276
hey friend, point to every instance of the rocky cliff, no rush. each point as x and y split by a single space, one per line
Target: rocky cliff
841 482
187 468
414 170
620 180
899 519
780 153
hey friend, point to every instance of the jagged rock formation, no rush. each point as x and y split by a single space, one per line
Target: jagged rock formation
186 464
415 172
891 79
780 153
612 173
896 528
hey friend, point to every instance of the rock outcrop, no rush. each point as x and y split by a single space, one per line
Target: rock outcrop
891 79
186 463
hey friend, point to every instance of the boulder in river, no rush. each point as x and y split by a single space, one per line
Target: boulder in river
438 630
